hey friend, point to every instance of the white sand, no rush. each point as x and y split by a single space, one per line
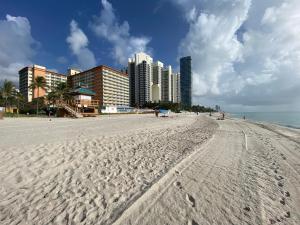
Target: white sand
244 175
88 171
143 170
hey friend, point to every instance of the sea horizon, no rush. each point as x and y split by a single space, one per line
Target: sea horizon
287 119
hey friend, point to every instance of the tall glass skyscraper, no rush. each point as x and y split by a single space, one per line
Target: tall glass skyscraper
186 81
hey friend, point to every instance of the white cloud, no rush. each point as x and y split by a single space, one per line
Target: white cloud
124 44
16 46
78 43
260 68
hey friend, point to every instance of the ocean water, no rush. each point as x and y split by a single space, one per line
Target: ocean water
289 119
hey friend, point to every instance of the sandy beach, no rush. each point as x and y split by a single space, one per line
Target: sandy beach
138 169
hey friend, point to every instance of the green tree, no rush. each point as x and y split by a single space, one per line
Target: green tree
38 83
51 98
62 91
19 98
7 91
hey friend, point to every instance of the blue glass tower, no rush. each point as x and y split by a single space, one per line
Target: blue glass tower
186 81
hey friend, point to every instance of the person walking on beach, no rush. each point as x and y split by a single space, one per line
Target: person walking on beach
156 112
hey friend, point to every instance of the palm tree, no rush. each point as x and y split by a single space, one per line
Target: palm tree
51 98
38 83
7 91
62 91
20 99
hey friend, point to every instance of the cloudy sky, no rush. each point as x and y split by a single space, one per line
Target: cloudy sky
246 53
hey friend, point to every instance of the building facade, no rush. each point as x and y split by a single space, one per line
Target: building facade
27 76
157 68
73 71
176 87
111 86
140 76
131 77
186 81
166 85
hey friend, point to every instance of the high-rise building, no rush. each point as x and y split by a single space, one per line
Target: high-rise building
27 76
176 87
131 76
111 86
157 68
166 85
140 76
186 81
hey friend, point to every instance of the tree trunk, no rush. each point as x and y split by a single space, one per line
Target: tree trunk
37 102
18 106
5 104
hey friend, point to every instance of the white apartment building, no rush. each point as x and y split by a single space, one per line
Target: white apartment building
176 87
115 88
140 79
157 69
166 85
150 81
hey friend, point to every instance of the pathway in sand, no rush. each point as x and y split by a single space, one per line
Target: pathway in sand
244 175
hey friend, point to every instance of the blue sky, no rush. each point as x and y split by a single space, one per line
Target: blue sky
50 22
245 53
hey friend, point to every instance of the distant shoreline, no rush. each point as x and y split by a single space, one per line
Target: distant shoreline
250 116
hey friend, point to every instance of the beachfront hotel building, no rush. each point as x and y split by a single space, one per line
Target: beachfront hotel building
140 79
186 81
111 86
27 76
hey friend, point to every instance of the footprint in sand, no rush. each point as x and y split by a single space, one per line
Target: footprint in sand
191 201
178 184
287 215
282 201
247 208
280 184
177 172
192 222
283 156
278 177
